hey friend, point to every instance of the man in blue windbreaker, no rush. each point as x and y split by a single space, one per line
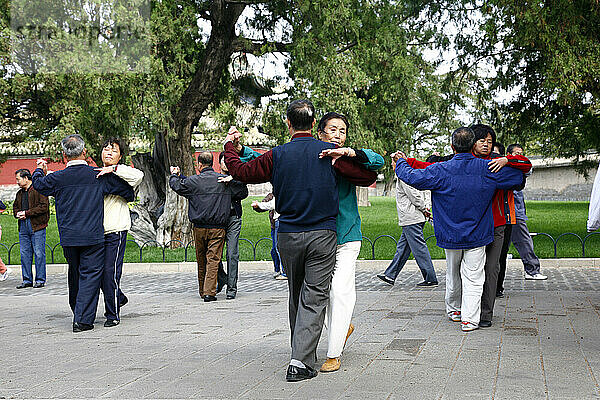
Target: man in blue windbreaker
461 190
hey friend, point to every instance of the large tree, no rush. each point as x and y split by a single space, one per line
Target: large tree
361 58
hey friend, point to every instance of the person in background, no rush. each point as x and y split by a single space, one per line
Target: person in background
593 222
520 236
117 222
268 204
4 272
32 210
232 238
414 209
209 195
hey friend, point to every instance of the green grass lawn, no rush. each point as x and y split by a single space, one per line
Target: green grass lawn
553 218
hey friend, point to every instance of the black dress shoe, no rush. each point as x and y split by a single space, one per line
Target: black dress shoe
39 285
500 293
24 285
109 323
485 323
296 374
81 327
208 298
384 278
230 296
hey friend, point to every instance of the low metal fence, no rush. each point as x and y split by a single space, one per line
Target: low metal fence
585 241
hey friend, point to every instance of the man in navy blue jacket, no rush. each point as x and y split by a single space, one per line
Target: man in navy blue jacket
462 190
79 196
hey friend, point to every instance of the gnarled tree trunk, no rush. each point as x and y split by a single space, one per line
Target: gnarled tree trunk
173 222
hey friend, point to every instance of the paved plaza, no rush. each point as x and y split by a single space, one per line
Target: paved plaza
545 342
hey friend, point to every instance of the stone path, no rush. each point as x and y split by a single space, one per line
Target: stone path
544 343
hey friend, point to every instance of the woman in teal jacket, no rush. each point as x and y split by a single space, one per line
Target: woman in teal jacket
333 128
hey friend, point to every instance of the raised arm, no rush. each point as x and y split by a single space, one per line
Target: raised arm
44 184
258 170
132 176
354 173
179 184
422 179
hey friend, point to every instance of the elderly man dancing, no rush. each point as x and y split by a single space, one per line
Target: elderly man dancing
462 190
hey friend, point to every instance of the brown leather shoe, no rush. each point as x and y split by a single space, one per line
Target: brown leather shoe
332 364
350 330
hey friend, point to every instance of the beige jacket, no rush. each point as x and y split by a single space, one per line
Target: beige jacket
411 203
116 211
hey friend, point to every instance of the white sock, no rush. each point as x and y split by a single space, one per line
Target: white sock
297 363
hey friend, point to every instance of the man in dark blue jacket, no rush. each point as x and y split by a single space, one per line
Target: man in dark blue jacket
461 190
79 196
210 196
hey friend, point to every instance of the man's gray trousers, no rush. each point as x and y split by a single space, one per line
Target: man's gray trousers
309 259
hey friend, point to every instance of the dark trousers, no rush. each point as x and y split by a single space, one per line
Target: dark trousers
503 255
86 264
232 238
309 259
209 249
492 267
114 251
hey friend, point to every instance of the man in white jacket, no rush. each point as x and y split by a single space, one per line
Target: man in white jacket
413 208
593 222
117 222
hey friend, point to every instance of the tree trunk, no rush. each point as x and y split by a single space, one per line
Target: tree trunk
362 193
174 224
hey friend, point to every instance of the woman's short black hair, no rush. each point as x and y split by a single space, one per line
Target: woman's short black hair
112 141
481 131
329 116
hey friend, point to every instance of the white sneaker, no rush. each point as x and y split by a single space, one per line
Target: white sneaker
454 316
536 277
281 277
468 326
4 276
276 274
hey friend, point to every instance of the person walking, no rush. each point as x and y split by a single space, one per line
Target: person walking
414 209
117 222
79 196
32 210
306 197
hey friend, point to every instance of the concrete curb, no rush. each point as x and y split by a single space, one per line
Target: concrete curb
361 265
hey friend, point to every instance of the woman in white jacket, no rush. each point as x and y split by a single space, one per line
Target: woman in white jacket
593 222
116 224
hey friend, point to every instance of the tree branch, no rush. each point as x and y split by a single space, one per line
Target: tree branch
257 47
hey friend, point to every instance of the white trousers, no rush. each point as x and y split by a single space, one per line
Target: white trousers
342 297
464 282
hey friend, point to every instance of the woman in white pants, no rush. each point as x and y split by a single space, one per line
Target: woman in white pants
332 128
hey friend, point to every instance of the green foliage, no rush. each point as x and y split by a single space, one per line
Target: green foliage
548 53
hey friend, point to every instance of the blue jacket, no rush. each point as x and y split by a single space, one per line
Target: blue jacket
461 192
79 199
520 210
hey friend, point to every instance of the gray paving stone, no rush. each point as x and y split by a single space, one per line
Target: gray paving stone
545 343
